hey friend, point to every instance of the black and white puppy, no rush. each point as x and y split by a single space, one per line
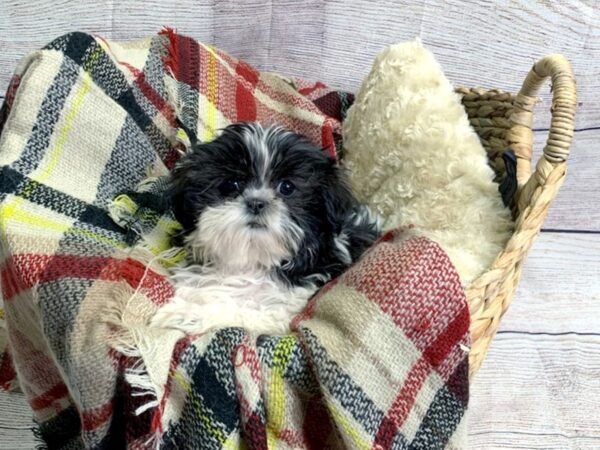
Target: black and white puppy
267 218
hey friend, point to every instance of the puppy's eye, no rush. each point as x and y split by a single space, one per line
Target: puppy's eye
229 187
286 187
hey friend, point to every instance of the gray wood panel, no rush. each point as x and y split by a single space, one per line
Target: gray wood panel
560 287
477 43
537 392
540 385
577 205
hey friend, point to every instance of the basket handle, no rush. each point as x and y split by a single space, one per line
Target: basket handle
564 102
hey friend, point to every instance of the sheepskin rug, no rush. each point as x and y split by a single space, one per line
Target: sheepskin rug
415 160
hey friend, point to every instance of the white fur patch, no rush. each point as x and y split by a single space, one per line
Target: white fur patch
223 237
257 140
233 282
210 298
341 246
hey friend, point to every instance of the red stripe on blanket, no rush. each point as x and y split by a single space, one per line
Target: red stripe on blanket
155 286
35 269
310 89
183 57
93 418
46 399
11 92
244 95
245 355
292 438
402 405
180 346
255 433
8 283
431 358
317 426
154 97
445 342
327 140
171 60
35 362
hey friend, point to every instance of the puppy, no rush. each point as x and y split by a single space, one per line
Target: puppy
267 219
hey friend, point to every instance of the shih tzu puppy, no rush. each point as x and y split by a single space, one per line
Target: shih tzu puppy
267 218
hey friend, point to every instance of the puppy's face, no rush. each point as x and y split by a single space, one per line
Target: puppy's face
252 197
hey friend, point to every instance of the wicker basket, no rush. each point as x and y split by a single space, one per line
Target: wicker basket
504 121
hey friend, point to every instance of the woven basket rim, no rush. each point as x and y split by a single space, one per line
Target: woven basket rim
491 293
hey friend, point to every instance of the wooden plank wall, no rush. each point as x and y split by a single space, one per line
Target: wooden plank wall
540 386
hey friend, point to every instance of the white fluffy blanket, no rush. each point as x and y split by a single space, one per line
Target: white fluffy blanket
415 159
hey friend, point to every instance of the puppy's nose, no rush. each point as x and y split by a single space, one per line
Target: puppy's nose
255 205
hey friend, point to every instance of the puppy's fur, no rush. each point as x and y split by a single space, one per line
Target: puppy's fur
268 218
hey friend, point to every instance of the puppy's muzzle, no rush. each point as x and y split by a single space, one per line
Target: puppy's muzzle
256 206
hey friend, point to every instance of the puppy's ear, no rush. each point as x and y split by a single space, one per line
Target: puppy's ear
338 199
354 227
361 229
183 194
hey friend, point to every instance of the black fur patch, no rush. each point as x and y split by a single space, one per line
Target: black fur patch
322 203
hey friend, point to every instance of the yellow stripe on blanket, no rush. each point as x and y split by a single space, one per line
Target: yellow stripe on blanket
11 211
234 442
55 153
212 95
342 421
158 242
276 402
198 408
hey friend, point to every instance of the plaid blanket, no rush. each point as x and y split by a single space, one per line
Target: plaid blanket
377 360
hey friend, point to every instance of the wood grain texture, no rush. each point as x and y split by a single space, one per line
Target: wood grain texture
539 387
577 205
560 287
545 398
477 43
336 41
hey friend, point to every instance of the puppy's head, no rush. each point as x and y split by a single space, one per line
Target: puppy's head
257 197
